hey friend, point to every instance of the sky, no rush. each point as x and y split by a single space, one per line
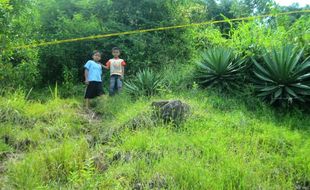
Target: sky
289 2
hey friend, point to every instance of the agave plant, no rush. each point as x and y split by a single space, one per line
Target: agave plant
283 77
145 83
220 67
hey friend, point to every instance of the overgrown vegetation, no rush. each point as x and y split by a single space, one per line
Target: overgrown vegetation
231 138
67 148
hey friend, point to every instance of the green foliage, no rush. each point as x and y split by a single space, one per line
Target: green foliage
5 9
31 21
247 7
56 144
24 75
55 92
220 67
17 25
251 37
145 83
68 87
297 33
71 19
283 76
179 76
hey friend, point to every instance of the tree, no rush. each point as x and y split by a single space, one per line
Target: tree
70 19
18 21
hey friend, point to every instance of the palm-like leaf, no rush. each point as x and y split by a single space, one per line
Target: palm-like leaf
219 66
145 83
283 76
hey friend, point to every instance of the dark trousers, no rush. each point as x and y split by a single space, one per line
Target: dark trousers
115 84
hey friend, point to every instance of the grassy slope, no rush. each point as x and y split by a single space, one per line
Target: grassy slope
223 145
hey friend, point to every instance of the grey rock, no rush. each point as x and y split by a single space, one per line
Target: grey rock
172 111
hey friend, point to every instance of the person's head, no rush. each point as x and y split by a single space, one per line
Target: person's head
96 55
116 52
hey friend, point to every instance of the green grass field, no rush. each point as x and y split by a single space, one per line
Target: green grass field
226 143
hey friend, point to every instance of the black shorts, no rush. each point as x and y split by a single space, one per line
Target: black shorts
94 89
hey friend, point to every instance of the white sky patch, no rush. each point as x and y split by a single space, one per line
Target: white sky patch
301 3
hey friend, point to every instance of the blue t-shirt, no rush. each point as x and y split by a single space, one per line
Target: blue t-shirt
94 71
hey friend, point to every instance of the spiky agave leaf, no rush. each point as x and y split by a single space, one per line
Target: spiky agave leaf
283 76
145 83
220 67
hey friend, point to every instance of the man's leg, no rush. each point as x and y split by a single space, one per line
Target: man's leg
119 84
112 85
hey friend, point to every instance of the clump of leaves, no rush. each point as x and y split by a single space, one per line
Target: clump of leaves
145 83
283 76
220 67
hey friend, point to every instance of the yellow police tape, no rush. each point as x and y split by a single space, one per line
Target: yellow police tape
33 45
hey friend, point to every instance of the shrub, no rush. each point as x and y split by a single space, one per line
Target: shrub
283 77
145 83
179 76
25 75
220 67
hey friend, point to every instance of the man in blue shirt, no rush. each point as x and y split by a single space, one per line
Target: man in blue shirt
93 80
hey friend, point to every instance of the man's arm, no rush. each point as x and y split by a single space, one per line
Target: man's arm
107 65
103 66
123 72
86 76
123 69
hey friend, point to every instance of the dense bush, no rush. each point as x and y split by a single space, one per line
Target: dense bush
179 76
283 76
173 52
251 37
62 19
220 67
18 68
25 75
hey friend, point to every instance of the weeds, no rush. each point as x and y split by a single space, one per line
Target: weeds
222 145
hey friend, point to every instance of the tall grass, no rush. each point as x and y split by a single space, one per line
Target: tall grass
225 144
